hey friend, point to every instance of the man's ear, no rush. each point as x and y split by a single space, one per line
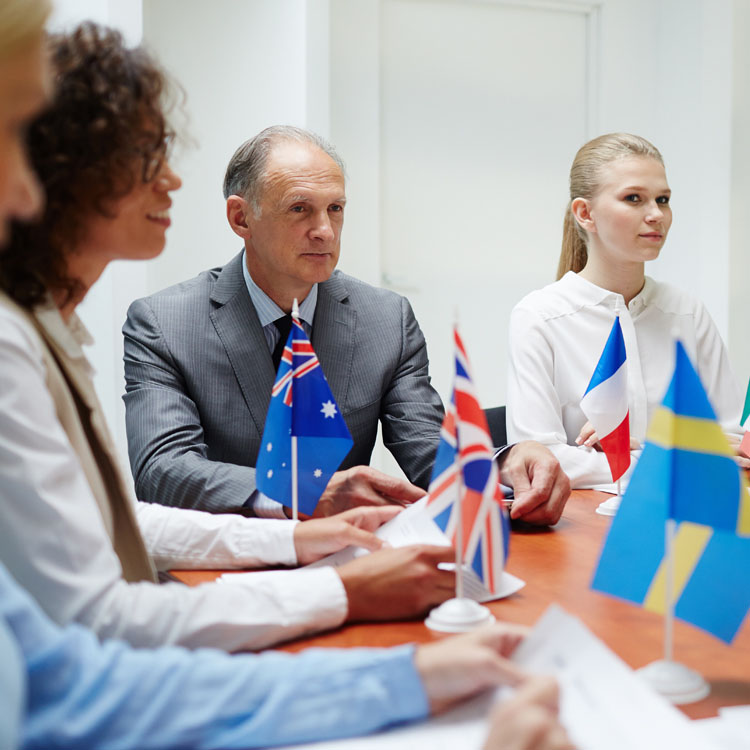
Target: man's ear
237 210
581 210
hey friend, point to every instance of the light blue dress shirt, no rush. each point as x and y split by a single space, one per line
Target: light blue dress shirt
81 693
268 311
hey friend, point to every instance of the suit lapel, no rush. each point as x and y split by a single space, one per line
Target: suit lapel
239 330
333 336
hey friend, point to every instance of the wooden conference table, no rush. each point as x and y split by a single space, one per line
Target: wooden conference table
557 565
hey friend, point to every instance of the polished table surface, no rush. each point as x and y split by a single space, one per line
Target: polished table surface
558 564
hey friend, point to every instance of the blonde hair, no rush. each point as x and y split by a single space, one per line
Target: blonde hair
20 22
585 179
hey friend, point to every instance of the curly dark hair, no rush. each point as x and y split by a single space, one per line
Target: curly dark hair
104 130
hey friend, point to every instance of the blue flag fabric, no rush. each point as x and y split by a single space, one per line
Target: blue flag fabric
683 473
302 406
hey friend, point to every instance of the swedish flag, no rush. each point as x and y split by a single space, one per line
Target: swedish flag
686 472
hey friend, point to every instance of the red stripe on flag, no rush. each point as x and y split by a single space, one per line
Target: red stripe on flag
470 506
468 407
616 447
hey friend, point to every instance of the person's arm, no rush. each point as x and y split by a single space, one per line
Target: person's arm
534 411
12 688
168 453
82 693
181 538
55 543
411 409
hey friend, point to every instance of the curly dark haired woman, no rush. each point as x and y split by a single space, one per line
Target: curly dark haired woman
101 145
100 153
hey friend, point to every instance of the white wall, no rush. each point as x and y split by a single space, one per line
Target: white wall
252 63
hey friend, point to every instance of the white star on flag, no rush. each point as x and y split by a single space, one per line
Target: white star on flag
329 409
269 447
317 473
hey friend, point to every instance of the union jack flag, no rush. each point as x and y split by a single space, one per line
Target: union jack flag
301 406
465 480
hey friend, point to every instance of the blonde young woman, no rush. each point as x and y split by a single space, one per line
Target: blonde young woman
618 219
60 687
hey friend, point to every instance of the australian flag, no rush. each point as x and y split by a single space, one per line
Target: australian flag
465 480
302 406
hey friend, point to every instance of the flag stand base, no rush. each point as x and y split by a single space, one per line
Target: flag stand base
675 681
458 616
609 507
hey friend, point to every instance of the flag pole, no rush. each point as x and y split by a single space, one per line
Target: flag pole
459 536
295 477
674 680
669 531
459 503
459 613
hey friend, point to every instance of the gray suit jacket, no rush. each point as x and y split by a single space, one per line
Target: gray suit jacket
199 375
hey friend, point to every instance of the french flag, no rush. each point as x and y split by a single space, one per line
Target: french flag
605 403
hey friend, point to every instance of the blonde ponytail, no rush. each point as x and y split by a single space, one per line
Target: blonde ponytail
585 178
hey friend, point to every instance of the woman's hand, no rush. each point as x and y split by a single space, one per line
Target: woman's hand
529 720
456 668
319 537
588 437
734 443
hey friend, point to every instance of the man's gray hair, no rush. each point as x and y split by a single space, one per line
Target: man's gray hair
246 170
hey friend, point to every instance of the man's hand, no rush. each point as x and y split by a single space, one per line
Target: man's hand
540 486
393 584
456 668
322 536
528 720
363 485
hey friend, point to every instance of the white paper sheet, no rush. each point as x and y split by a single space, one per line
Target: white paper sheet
604 705
414 526
730 730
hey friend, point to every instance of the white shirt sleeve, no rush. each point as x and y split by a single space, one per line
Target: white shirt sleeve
716 373
534 411
182 538
53 540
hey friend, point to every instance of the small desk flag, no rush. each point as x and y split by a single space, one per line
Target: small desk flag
687 473
605 403
745 444
302 406
465 478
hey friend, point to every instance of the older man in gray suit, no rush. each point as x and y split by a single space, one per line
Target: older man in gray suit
200 357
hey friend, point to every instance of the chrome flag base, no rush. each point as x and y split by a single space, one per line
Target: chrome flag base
458 616
675 681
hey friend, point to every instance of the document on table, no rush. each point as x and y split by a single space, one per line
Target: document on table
603 703
730 730
414 526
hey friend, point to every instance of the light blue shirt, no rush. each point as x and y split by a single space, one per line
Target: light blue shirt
12 688
81 693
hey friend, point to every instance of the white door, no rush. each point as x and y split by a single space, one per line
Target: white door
458 120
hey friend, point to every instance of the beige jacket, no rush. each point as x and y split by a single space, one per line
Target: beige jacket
80 413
